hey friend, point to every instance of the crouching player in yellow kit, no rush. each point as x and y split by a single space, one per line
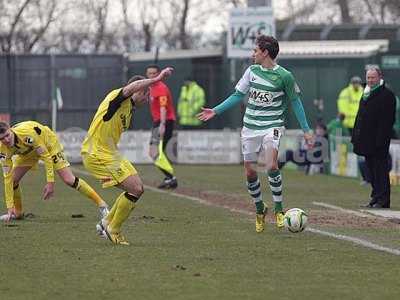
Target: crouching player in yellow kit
21 147
100 151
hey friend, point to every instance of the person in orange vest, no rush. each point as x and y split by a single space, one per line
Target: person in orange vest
164 118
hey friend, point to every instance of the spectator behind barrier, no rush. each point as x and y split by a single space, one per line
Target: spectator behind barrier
311 159
336 126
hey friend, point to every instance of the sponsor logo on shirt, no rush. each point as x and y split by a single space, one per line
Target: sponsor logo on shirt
123 120
261 96
273 77
29 140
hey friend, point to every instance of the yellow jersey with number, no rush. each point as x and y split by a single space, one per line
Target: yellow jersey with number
111 119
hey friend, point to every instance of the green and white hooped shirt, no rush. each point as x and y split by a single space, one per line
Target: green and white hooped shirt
270 91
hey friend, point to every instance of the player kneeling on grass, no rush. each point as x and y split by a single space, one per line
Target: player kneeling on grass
270 88
100 151
21 147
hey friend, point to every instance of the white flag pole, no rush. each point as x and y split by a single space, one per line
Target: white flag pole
53 93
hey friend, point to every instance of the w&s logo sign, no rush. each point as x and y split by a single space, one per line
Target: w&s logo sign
244 27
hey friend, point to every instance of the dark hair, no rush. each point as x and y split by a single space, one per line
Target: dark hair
267 42
3 127
321 125
136 78
153 66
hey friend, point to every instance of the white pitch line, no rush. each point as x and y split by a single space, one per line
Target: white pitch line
196 199
357 241
341 237
338 208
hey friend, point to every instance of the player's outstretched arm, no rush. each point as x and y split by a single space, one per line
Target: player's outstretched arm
206 114
138 85
128 90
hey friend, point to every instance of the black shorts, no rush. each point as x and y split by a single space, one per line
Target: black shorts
155 133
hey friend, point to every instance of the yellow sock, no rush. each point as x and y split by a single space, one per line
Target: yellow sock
17 200
111 214
84 188
122 212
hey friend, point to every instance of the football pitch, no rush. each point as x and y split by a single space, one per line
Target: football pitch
199 242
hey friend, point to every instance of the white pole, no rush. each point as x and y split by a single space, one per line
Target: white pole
54 114
53 93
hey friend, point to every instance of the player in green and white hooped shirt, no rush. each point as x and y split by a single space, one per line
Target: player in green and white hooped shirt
270 88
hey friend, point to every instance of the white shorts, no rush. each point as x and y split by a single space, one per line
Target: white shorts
252 145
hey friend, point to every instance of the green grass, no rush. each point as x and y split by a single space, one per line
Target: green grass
181 249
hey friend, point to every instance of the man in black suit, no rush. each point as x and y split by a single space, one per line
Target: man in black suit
372 132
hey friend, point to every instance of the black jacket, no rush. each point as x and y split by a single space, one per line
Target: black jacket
374 122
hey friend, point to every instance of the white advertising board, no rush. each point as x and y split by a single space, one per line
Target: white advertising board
193 147
72 140
394 151
220 147
134 146
343 161
245 24
209 147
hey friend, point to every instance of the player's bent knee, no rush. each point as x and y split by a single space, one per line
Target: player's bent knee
67 176
71 181
250 171
131 197
251 174
273 167
140 190
136 189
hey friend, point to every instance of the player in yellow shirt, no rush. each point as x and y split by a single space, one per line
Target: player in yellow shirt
21 147
100 151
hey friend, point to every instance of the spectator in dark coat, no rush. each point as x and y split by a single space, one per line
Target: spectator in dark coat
372 133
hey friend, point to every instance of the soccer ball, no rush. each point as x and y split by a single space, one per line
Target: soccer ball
295 220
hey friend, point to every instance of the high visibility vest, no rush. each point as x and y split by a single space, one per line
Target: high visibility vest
191 99
348 102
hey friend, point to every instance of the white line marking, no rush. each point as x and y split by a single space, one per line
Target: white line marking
357 241
153 189
383 213
353 240
348 211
